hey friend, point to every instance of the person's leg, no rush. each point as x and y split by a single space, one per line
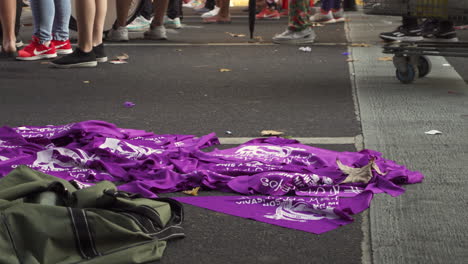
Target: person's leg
90 15
19 11
119 31
408 31
299 27
172 9
147 10
325 15
210 4
99 19
123 6
43 12
7 17
223 15
85 17
60 30
160 9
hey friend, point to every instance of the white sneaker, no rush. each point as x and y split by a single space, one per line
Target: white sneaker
139 24
319 17
156 33
212 13
172 23
295 37
119 34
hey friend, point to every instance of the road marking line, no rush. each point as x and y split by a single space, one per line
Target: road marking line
303 140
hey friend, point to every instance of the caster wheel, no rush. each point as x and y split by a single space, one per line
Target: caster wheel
424 66
408 76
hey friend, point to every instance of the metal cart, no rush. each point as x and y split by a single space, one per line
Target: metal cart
410 58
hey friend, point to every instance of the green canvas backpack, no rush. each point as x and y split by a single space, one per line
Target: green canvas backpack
47 220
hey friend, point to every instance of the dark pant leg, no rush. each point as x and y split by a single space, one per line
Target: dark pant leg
147 9
173 9
410 22
210 4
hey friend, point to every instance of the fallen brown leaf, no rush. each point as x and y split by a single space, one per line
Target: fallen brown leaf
385 59
193 192
271 133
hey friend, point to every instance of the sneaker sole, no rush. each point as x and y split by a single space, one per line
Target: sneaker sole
40 57
388 38
339 20
89 64
441 40
64 52
102 60
295 41
139 29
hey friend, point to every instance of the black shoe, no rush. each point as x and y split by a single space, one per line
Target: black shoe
78 59
440 35
100 53
8 55
403 34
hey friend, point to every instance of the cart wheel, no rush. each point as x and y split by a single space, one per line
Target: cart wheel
408 76
424 66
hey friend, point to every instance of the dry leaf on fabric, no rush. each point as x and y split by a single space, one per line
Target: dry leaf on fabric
363 174
386 59
271 133
224 70
124 56
193 192
360 45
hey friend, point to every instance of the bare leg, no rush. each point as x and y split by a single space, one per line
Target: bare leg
224 8
99 19
85 16
160 9
123 6
7 17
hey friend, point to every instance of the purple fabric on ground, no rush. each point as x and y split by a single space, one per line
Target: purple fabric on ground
147 163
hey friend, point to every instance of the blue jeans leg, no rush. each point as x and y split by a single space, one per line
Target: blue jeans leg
43 14
60 28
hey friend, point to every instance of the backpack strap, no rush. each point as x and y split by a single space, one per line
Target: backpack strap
84 239
173 228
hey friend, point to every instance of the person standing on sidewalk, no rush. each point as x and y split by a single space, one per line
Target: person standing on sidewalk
90 16
7 19
299 29
51 33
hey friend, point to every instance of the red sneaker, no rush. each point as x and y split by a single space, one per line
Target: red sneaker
63 47
267 13
37 51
